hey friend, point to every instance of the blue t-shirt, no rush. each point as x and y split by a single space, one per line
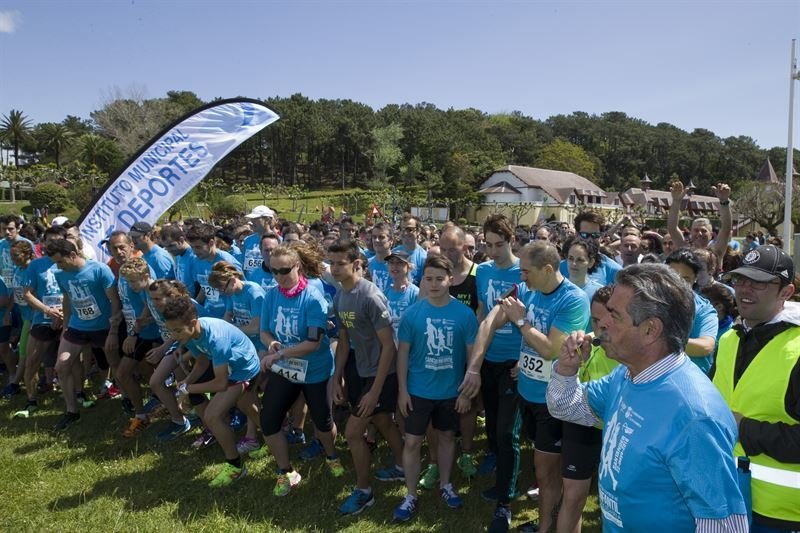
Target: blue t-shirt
264 279
379 273
245 306
43 284
225 344
90 308
251 255
706 324
159 318
438 338
4 292
417 259
133 304
7 266
161 263
493 283
288 320
19 280
214 304
398 302
184 269
667 455
565 309
604 274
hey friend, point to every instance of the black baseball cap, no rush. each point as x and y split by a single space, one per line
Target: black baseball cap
402 256
142 227
765 264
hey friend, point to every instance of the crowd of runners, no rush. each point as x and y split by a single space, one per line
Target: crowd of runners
412 333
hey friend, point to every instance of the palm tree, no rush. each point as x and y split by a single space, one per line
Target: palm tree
91 148
15 129
56 137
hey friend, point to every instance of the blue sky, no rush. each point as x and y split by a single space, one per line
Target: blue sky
720 65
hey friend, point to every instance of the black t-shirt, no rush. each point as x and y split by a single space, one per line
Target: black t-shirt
467 290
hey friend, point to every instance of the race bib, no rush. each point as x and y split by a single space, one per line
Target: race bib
294 369
87 308
8 276
252 262
55 301
533 366
212 294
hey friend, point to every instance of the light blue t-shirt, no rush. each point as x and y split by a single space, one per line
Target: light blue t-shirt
379 273
133 304
604 274
19 280
214 304
159 318
493 283
417 259
184 269
7 266
264 279
288 320
161 263
706 324
398 302
438 338
245 306
251 255
43 284
667 455
565 309
90 308
223 343
4 293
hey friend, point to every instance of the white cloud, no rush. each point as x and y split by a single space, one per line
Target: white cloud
9 21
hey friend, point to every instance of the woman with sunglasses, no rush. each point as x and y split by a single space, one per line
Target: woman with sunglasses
293 322
243 299
581 261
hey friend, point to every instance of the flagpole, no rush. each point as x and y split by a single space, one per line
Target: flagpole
787 210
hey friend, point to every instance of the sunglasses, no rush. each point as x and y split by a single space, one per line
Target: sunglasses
410 229
281 271
593 235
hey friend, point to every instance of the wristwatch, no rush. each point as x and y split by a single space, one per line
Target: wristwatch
519 323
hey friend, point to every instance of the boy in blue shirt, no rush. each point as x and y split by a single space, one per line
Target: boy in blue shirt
158 258
236 367
91 316
202 239
436 336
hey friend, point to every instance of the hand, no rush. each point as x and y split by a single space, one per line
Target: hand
574 351
677 191
112 343
155 355
338 391
404 403
463 404
274 346
723 191
368 403
471 385
514 372
182 389
513 308
129 345
268 360
55 313
738 417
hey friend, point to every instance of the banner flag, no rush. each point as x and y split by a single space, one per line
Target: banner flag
170 165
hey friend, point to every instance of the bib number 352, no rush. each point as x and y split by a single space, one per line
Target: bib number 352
535 367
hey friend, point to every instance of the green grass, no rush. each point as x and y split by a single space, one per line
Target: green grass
92 479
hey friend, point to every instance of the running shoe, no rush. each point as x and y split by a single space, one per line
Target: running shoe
357 502
260 453
12 389
501 520
205 440
451 497
466 463
406 509
136 426
391 473
174 430
296 436
533 493
247 445
228 475
335 466
85 401
488 464
313 450
29 409
67 420
152 404
430 477
238 420
112 392
286 482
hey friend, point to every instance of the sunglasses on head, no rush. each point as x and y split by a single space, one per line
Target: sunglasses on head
281 271
593 235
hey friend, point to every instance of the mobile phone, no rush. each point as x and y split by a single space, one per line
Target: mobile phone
509 293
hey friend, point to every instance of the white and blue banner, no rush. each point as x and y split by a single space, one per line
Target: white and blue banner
170 165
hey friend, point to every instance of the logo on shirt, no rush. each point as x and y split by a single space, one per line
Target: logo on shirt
286 324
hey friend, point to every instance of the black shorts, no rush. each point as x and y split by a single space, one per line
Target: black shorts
5 333
541 427
387 401
580 451
142 347
95 338
279 396
440 413
200 399
44 333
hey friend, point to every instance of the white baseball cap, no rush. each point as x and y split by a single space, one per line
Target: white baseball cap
59 221
261 211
